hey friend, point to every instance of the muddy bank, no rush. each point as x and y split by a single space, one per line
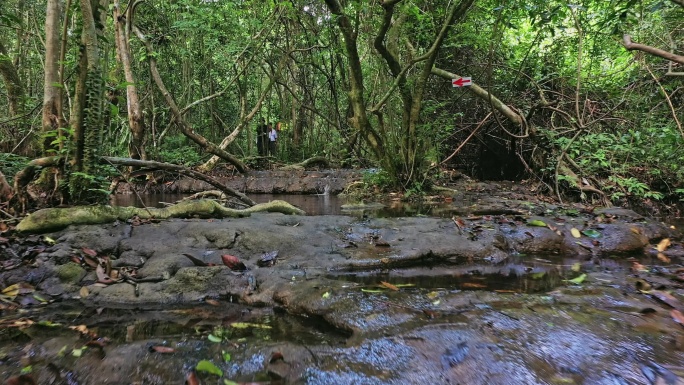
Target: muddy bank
480 298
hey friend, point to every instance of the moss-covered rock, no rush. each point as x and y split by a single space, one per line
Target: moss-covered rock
70 273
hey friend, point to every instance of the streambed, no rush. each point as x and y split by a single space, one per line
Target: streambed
473 299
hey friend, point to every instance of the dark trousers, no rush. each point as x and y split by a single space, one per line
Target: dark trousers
272 148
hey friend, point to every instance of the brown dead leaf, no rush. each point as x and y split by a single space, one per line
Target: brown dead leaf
212 302
431 314
663 245
666 298
389 286
191 379
162 349
89 252
664 258
677 316
639 268
102 277
381 243
83 292
635 230
233 262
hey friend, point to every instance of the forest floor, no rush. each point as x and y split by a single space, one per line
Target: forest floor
504 288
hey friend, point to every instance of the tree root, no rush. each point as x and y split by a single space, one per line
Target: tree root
52 219
308 163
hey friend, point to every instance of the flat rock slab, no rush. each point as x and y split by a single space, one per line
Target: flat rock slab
433 332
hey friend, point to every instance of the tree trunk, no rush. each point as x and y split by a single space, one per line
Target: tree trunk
13 85
136 122
94 89
52 89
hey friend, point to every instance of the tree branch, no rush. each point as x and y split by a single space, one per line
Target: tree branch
481 93
627 42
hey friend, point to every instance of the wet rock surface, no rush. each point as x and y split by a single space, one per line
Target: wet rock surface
496 294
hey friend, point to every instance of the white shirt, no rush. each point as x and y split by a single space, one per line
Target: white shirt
273 135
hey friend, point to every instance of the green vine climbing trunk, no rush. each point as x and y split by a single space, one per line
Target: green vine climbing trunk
93 119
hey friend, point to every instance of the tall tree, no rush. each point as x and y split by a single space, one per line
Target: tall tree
136 120
52 88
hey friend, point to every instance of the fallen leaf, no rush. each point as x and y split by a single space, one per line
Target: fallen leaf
162 349
578 280
575 233
89 252
83 292
635 230
389 286
677 316
576 267
591 233
212 302
664 258
665 298
214 338
642 285
536 222
208 367
637 267
326 295
102 277
268 259
233 262
191 378
663 245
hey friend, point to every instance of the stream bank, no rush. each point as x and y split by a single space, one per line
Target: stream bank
498 291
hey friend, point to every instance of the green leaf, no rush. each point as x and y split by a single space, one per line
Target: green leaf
245 325
78 352
578 280
538 275
226 356
229 382
208 367
576 266
536 222
591 233
26 370
326 295
214 338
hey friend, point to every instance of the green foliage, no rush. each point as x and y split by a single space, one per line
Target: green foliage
177 149
87 188
11 164
377 178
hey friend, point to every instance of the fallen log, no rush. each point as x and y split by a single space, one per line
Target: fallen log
52 219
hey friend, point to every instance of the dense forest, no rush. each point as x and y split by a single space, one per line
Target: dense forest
584 99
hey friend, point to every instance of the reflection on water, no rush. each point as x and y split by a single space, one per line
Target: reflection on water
312 204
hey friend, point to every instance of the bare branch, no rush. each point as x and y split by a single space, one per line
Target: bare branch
627 42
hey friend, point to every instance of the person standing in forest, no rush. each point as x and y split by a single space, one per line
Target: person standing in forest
272 138
261 133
